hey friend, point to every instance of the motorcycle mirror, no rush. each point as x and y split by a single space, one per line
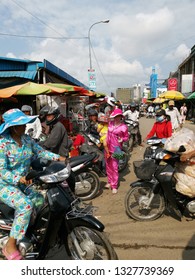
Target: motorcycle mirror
181 149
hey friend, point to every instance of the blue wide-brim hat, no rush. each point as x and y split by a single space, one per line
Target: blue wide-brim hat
15 117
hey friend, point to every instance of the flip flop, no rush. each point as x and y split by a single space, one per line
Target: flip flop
13 256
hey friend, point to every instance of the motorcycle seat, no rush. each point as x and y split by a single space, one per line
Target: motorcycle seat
81 159
6 210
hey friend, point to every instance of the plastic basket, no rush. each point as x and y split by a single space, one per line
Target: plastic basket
144 169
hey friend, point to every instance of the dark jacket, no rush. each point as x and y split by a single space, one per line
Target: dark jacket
57 140
92 129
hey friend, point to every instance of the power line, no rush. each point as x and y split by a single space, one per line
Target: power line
100 68
42 37
40 20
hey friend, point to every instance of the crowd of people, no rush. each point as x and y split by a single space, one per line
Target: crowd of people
20 133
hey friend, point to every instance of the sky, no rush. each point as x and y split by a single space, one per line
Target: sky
140 35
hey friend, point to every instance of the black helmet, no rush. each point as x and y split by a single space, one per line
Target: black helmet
52 111
92 112
44 111
132 104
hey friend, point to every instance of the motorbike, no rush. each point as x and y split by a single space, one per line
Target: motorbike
150 115
155 191
133 129
87 183
60 221
92 144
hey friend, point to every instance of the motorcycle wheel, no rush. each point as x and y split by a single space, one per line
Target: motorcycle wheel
123 163
94 245
87 185
136 201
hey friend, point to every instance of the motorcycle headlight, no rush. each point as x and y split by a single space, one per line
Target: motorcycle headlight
162 155
59 176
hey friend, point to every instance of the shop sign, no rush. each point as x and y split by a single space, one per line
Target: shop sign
172 84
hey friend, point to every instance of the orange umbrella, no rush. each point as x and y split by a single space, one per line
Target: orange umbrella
30 88
73 89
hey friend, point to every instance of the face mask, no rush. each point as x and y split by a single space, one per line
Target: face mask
159 119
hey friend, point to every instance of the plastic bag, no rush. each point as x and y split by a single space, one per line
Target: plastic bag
185 184
185 137
186 168
185 179
118 153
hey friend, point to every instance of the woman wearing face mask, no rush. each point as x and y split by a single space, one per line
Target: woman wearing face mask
162 128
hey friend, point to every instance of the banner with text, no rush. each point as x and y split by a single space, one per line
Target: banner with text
92 79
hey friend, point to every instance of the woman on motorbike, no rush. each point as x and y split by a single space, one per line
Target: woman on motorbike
16 153
162 128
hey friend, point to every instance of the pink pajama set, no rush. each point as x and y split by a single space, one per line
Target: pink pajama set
114 133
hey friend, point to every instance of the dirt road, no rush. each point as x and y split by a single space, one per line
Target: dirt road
163 239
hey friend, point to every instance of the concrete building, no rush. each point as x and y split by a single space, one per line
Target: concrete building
185 74
127 95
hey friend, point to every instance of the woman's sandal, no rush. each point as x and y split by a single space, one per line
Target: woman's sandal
13 256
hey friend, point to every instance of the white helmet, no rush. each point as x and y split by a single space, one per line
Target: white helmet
111 101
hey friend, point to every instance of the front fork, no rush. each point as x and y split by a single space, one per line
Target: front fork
154 189
77 246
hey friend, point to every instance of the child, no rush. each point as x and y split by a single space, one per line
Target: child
102 129
77 140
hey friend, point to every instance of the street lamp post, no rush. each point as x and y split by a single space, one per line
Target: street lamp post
102 21
91 72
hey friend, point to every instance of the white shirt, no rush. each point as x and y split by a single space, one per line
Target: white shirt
151 109
175 117
183 110
134 116
108 110
37 129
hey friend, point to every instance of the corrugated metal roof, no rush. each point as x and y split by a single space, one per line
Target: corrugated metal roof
19 60
64 75
22 74
24 68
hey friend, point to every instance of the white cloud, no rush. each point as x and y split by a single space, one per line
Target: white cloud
141 34
179 54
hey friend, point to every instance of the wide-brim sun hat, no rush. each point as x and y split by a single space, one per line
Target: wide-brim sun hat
116 112
15 117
